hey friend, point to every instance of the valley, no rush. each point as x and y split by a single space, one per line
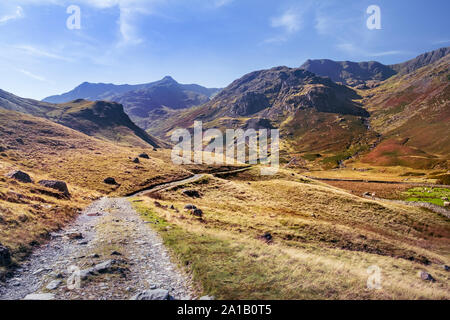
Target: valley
88 184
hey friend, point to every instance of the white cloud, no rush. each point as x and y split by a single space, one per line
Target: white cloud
33 51
17 14
31 75
129 12
355 50
290 20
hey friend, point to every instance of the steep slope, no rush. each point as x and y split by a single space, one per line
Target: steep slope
106 120
312 112
412 112
369 74
420 61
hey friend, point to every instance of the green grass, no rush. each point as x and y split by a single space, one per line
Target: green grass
430 195
214 261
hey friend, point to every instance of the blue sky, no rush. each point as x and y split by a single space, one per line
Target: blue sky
209 42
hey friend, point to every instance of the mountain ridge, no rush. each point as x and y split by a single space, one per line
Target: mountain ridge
102 119
367 74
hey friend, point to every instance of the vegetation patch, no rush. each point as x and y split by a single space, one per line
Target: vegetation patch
435 196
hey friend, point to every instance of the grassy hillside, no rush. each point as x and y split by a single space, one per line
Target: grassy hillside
412 112
324 239
45 150
105 120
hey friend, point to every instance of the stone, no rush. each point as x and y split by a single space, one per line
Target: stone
267 237
53 285
40 296
155 294
136 160
144 156
55 184
5 256
104 266
426 276
446 267
74 235
446 204
20 176
191 193
197 212
116 253
190 207
110 180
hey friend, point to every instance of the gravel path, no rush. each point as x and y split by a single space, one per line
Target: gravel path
127 257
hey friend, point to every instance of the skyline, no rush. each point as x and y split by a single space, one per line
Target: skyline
140 41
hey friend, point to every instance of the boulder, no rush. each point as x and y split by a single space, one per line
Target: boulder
5 256
267 237
20 176
110 180
426 276
197 212
191 193
190 207
144 156
40 296
53 285
136 160
155 294
445 267
55 184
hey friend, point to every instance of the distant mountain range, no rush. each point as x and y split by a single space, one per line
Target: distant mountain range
393 115
143 100
327 111
363 74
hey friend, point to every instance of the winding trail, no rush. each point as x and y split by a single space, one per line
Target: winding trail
109 232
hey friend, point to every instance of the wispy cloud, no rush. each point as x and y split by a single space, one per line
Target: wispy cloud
290 21
129 13
356 50
31 75
37 52
17 14
441 42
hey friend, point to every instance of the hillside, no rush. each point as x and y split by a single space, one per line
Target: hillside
49 151
368 74
349 73
101 119
314 113
412 112
144 103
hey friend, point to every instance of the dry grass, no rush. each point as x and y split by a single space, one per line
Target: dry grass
323 241
45 150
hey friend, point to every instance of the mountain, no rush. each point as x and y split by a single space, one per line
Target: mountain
106 120
420 61
412 113
313 113
349 73
367 74
402 120
142 100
